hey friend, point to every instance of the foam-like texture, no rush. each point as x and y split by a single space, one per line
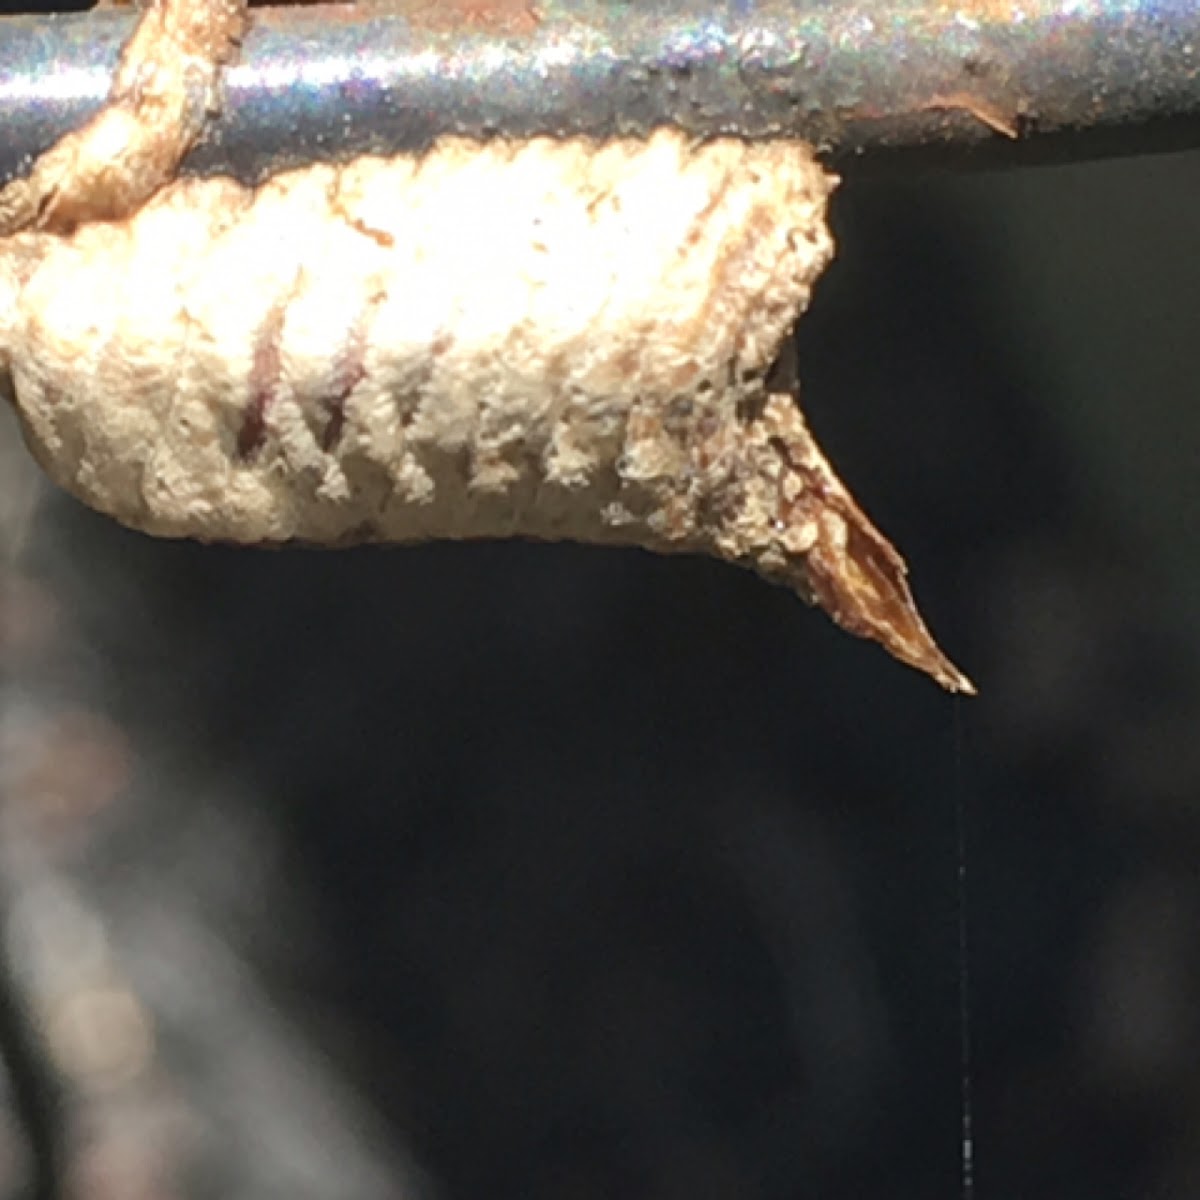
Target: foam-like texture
411 348
560 339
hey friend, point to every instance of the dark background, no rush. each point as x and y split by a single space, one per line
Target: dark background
520 872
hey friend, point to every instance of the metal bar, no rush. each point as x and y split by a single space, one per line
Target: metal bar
1016 78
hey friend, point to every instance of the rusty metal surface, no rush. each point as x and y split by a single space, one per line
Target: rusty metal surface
337 80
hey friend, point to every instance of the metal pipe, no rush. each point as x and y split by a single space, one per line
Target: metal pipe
1015 78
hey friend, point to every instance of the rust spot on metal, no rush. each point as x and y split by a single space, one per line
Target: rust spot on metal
991 12
518 17
986 112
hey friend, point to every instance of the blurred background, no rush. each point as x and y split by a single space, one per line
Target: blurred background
552 873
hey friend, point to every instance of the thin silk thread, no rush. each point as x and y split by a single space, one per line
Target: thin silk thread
965 1045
